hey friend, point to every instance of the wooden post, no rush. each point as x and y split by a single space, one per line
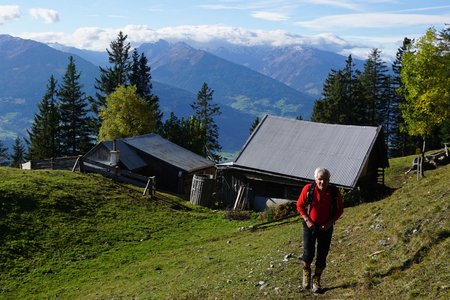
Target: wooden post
150 187
77 162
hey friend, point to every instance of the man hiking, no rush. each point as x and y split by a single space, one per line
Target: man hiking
320 205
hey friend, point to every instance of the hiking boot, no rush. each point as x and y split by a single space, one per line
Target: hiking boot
306 279
316 288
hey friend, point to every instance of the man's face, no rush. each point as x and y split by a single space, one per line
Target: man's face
322 181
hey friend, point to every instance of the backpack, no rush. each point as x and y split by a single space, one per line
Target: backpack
334 200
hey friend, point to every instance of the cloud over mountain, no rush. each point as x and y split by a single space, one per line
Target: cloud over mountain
94 38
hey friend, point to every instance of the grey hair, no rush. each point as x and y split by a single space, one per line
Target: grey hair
321 170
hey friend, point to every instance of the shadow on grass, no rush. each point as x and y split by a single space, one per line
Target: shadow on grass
419 256
350 285
368 194
172 204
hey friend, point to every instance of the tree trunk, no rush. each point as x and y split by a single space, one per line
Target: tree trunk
422 158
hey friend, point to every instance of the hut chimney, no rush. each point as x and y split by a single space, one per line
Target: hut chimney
114 155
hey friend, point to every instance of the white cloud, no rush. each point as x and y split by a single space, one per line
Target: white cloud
371 20
336 3
9 13
203 36
48 15
94 38
271 16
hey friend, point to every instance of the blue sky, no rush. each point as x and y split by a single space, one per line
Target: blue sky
348 26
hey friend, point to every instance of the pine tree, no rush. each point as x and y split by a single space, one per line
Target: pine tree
338 104
400 143
375 79
4 157
140 76
74 122
172 129
18 157
325 108
113 76
255 124
204 114
43 137
376 92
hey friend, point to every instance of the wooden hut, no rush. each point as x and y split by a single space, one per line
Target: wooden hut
281 155
150 155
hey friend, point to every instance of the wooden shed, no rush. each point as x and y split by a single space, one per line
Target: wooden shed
151 155
281 155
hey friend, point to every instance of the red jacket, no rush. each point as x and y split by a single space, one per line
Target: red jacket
320 208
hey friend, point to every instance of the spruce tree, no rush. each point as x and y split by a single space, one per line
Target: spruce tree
205 111
400 143
172 129
340 103
112 76
375 84
18 156
325 108
74 123
4 157
43 137
256 123
140 76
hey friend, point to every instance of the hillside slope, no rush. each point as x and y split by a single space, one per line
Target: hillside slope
76 236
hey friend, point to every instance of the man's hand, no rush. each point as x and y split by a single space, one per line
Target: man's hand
308 222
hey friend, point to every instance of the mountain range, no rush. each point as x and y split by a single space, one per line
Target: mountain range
248 81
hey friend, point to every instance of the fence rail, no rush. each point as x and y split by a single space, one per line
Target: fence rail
87 165
57 163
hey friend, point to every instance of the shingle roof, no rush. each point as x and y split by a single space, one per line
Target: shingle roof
296 148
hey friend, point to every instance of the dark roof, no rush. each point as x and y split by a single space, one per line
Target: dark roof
128 156
295 148
159 148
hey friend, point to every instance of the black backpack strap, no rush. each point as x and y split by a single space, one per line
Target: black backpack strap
309 197
334 200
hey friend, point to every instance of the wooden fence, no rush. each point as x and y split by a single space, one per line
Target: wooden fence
117 174
58 163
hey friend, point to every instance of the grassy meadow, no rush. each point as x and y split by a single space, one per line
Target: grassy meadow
67 235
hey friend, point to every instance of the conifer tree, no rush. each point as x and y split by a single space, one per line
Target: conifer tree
400 143
255 124
112 76
74 122
205 111
376 90
43 137
4 157
172 129
18 156
325 108
140 76
339 103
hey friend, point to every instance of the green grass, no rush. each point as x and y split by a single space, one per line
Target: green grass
66 235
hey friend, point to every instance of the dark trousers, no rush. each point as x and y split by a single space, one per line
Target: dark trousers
311 236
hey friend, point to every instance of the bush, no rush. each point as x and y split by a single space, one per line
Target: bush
237 214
